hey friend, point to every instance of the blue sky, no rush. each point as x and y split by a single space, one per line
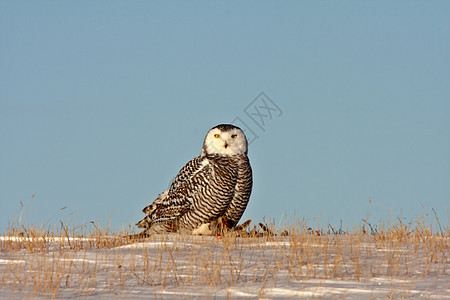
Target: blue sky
102 102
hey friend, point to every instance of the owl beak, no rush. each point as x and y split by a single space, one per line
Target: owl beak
226 145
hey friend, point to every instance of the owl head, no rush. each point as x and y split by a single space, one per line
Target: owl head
225 139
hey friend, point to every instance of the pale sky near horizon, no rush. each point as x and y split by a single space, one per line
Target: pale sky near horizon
102 102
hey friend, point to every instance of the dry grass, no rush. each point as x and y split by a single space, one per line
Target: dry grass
50 263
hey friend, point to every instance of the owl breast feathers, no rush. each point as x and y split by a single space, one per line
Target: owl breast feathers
210 189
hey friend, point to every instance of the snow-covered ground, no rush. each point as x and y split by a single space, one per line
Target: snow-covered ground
173 266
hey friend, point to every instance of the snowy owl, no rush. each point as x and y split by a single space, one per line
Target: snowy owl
210 192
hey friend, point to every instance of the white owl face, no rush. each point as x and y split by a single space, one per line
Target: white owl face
225 139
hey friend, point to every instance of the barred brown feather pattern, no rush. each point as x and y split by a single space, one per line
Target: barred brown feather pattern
243 190
206 188
173 203
212 192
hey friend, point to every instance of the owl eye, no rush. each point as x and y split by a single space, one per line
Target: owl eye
233 136
217 135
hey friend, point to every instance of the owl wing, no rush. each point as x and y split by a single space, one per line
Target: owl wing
243 189
177 200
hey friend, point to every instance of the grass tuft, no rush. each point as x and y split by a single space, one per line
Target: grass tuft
83 260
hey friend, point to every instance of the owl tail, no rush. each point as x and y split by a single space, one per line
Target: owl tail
144 223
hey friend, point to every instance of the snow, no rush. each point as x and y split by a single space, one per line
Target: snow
170 266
